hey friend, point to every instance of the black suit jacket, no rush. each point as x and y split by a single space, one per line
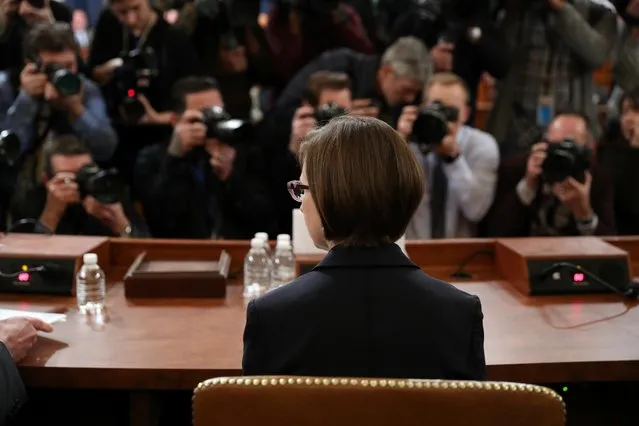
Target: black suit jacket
12 392
366 312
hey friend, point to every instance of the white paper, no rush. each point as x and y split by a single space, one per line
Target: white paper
44 316
303 243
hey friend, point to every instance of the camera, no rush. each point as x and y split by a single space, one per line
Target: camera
565 159
221 126
133 77
106 186
325 113
9 148
64 81
431 125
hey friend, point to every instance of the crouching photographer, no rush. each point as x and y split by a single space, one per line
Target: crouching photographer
460 162
205 182
554 190
76 196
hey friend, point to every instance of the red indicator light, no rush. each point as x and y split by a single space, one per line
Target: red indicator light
578 277
24 277
130 93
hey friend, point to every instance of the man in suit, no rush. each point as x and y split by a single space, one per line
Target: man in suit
17 336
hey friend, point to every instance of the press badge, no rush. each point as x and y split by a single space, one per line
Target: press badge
545 111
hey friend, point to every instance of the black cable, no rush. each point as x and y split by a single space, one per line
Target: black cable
461 273
41 268
14 225
631 290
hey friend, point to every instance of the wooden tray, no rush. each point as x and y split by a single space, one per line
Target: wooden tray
177 278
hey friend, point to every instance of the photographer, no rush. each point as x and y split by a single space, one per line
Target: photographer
462 37
554 190
460 162
52 97
136 56
618 156
203 184
327 95
378 85
556 45
71 201
16 18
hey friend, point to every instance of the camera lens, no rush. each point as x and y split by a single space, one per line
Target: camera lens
9 147
65 82
325 113
105 186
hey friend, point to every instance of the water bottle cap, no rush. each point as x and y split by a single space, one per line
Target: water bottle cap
283 244
261 236
283 237
90 259
257 243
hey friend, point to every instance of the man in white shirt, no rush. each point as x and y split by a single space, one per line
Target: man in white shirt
461 169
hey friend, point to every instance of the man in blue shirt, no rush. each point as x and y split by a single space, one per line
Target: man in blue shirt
31 106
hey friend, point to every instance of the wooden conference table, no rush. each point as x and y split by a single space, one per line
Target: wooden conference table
174 344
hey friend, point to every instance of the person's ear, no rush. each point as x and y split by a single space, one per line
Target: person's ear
464 114
44 178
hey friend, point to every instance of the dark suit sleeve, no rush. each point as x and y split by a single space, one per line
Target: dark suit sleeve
476 357
12 392
254 358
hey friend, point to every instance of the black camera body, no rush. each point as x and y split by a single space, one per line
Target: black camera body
326 112
565 159
9 148
220 125
64 81
106 186
431 125
138 68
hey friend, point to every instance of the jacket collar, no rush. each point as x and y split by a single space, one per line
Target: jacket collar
384 255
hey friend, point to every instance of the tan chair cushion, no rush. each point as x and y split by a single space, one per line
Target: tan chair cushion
302 401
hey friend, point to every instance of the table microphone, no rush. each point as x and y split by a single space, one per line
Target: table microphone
630 291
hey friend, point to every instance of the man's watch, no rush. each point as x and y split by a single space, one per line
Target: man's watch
450 158
126 232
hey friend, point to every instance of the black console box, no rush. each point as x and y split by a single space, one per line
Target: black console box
42 264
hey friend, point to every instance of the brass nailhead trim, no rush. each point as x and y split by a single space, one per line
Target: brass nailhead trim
374 383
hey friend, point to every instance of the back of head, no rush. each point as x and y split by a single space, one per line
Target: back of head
409 58
364 179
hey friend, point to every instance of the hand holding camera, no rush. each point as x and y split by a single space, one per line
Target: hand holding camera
406 120
33 81
364 108
576 196
36 11
62 190
112 215
189 132
303 122
534 164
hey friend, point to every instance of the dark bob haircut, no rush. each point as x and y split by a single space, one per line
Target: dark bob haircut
365 180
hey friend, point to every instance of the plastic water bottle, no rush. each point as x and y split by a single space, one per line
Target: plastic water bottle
264 237
284 237
90 284
257 270
283 264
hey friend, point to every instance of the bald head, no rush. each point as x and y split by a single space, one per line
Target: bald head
569 126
